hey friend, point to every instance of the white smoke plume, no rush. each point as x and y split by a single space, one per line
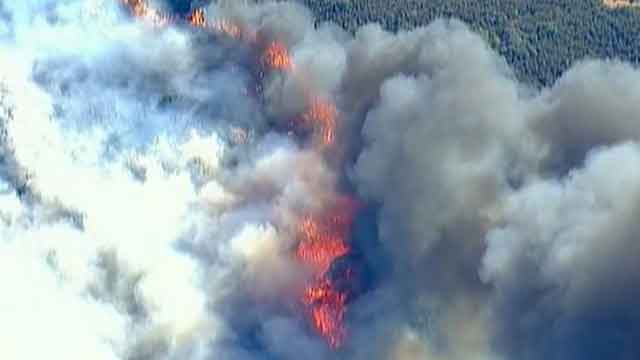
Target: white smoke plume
126 233
148 200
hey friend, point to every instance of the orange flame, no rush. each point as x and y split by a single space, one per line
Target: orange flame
322 241
230 29
197 18
322 236
327 309
322 115
141 10
276 56
319 247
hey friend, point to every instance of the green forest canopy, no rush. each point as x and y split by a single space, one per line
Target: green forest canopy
540 39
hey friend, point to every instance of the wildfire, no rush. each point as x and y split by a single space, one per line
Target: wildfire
326 309
197 18
319 248
322 115
141 10
323 240
323 235
230 29
276 56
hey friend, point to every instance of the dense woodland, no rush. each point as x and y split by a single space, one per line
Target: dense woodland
539 38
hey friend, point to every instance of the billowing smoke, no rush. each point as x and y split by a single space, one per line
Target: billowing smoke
155 177
508 213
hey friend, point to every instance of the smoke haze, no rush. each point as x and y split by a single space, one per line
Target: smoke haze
149 196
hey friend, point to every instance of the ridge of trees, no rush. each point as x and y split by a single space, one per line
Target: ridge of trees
540 39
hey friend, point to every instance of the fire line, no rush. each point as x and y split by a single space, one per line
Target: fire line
322 236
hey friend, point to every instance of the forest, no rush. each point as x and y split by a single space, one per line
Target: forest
540 39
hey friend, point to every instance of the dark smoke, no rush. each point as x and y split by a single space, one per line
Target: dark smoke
148 195
458 155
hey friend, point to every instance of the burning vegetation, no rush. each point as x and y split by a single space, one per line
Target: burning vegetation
326 307
141 10
322 236
323 239
276 57
322 115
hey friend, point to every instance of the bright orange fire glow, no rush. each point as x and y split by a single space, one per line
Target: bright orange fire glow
141 10
320 247
276 56
230 29
323 235
197 19
323 240
326 309
322 115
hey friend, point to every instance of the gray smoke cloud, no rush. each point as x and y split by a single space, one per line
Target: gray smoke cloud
562 262
594 104
497 202
146 213
148 208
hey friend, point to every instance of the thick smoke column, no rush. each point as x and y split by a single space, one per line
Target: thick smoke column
168 178
496 203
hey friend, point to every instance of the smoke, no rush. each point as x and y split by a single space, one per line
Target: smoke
131 214
498 205
149 197
565 256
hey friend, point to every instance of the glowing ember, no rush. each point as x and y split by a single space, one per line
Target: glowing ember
326 308
276 56
322 116
143 11
230 29
322 241
197 18
323 237
319 247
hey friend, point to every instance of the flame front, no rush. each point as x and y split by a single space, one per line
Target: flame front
323 235
326 309
319 247
231 30
141 10
323 239
322 115
276 56
197 18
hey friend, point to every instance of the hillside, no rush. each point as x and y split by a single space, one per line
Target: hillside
540 39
